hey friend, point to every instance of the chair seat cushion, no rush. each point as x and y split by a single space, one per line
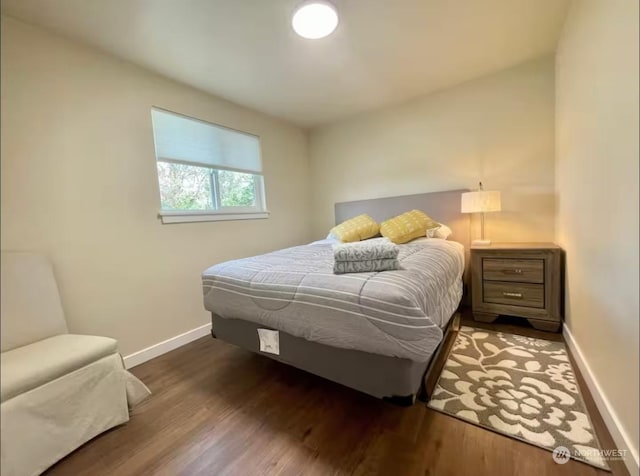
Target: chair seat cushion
30 366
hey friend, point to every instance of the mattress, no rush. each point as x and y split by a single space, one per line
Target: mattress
397 313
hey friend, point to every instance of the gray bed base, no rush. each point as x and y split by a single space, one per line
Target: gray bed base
398 380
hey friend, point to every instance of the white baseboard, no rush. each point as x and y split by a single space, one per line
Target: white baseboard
620 437
165 346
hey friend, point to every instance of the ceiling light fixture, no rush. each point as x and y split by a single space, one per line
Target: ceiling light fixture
315 19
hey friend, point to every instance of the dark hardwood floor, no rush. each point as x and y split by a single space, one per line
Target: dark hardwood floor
220 410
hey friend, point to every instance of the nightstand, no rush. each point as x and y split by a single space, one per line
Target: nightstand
518 279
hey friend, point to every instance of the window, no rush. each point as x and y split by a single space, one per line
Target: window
206 172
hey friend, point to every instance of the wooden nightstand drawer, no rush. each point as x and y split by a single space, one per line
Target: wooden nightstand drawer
514 294
510 269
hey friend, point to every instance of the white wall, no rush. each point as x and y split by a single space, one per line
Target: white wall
79 184
498 129
597 188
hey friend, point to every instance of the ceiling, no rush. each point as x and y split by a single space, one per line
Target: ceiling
383 51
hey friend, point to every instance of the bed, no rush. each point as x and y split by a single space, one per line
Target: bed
375 332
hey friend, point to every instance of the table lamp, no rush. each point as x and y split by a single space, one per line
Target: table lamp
480 201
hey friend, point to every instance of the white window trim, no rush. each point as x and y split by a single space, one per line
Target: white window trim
194 216
258 212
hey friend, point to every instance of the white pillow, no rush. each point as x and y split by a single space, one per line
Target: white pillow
442 232
333 238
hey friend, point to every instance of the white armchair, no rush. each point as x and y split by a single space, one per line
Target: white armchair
58 390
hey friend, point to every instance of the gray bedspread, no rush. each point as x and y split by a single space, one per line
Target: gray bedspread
397 313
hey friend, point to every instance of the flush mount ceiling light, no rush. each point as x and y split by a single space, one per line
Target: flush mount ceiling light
315 19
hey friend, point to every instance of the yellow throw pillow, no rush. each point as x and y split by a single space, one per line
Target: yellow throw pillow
357 228
408 226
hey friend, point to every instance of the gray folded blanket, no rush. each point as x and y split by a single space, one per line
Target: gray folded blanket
365 266
379 254
377 248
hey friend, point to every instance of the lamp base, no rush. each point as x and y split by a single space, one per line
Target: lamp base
480 242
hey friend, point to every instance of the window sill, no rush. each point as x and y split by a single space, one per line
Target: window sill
200 216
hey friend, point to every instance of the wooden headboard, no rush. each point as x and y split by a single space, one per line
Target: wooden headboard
443 207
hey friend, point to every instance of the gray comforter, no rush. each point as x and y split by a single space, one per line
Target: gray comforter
397 313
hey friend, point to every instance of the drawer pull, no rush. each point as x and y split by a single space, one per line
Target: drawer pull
512 271
512 295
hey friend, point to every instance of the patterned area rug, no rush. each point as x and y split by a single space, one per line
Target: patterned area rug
519 386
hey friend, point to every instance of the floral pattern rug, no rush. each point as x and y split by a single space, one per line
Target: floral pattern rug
519 386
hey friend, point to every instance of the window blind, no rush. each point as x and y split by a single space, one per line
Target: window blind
183 139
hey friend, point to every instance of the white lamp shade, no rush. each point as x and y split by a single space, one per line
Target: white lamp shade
480 201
